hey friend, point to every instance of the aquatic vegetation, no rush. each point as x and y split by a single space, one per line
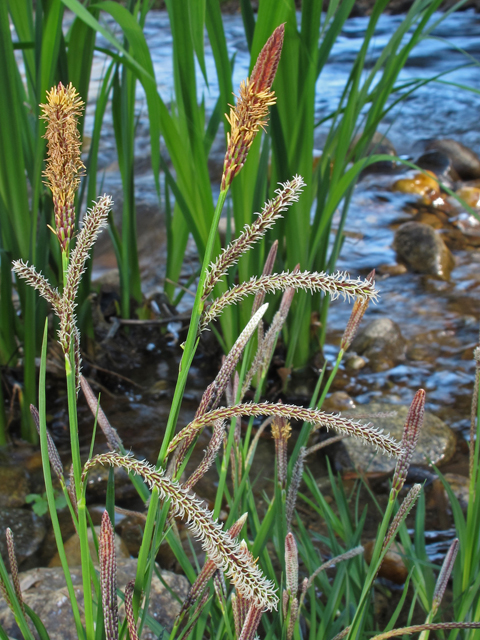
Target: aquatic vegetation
235 591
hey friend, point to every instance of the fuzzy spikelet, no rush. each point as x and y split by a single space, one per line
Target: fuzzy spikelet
38 282
295 480
12 558
108 577
358 311
281 431
267 270
251 623
211 451
444 576
411 433
219 545
337 284
250 113
402 513
113 439
364 432
64 165
271 212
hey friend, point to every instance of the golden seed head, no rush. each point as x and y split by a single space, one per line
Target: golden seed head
64 165
281 429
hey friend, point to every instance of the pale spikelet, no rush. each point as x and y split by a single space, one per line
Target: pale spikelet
293 618
358 311
251 111
337 284
321 445
12 558
113 439
295 481
220 588
356 551
108 577
129 614
251 623
271 212
267 270
219 545
209 568
365 432
444 576
64 165
411 433
94 221
211 452
53 455
38 282
281 432
214 392
402 513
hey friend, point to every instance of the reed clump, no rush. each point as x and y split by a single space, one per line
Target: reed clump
238 588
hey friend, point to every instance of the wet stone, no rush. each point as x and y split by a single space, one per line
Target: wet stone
419 184
436 442
393 567
423 250
14 486
465 162
28 531
380 341
45 592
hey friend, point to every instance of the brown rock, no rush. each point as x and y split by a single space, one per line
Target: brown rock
72 550
421 184
393 567
423 250
14 486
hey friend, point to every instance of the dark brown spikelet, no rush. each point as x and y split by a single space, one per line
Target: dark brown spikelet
132 627
265 69
108 577
53 454
411 433
358 311
12 558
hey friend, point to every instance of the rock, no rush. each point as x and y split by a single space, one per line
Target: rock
465 162
420 184
45 592
72 550
471 195
393 567
436 442
338 401
440 164
28 531
98 480
14 486
381 341
354 362
458 484
423 250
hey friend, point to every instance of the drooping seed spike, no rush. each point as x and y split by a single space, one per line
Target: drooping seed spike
402 513
38 282
444 576
411 433
129 614
225 552
53 455
108 577
291 564
12 558
295 480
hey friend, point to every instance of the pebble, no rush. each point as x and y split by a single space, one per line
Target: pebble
423 250
393 567
380 341
28 532
464 161
422 184
436 442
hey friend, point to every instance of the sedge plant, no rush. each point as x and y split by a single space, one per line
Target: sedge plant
238 589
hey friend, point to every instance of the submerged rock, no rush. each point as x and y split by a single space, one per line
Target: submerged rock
423 250
44 590
464 161
381 341
436 443
421 184
28 532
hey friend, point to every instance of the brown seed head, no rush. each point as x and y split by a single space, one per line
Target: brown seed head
64 165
